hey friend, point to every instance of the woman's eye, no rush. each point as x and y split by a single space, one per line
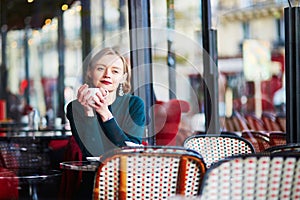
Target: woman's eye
115 71
100 68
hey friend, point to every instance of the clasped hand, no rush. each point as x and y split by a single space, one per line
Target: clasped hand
88 101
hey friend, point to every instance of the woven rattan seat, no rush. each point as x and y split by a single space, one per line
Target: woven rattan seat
256 176
215 147
149 173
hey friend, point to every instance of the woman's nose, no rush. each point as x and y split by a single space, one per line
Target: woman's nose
107 73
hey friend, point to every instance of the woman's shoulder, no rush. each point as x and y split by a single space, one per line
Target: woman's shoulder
129 100
74 105
136 100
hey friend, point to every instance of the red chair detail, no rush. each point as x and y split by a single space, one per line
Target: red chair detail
281 120
239 122
270 122
58 144
70 181
8 185
167 116
229 124
255 123
277 138
259 140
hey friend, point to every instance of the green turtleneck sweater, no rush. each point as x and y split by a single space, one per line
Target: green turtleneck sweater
95 137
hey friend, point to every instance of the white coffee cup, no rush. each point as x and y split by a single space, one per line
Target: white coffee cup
93 91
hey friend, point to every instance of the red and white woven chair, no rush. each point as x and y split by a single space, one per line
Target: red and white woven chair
151 172
256 176
213 147
277 138
259 140
286 148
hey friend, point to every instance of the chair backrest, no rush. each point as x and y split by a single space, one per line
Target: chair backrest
254 122
214 147
229 124
254 177
9 154
8 184
281 120
239 122
167 119
277 138
291 147
23 153
270 121
151 172
259 140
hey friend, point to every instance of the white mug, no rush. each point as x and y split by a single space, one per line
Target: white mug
93 92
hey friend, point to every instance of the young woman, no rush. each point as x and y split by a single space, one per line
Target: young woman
112 118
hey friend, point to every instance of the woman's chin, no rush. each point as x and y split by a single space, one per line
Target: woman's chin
106 87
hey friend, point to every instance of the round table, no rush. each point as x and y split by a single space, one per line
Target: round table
90 166
87 171
32 177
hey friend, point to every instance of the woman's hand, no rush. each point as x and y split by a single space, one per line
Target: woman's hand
101 104
84 98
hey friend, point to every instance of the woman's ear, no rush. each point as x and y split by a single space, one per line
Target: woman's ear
124 78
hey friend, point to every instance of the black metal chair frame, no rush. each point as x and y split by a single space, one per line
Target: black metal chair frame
291 147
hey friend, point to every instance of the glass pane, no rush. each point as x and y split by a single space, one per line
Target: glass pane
250 45
177 62
251 58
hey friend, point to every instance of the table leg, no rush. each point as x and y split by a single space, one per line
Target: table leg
33 191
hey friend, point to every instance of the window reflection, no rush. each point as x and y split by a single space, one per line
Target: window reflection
180 32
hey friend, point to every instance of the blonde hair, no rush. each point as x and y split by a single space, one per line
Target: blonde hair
110 51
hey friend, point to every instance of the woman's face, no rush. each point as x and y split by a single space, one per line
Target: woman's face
108 73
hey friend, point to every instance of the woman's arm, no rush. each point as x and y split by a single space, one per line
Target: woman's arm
71 117
130 126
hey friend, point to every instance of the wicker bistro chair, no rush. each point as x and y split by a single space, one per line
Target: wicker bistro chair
287 148
255 176
270 121
216 147
24 154
258 139
277 138
150 172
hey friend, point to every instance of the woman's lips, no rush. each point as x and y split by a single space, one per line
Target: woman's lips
106 82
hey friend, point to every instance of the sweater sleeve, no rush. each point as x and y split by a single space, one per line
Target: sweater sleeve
113 131
130 128
88 122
